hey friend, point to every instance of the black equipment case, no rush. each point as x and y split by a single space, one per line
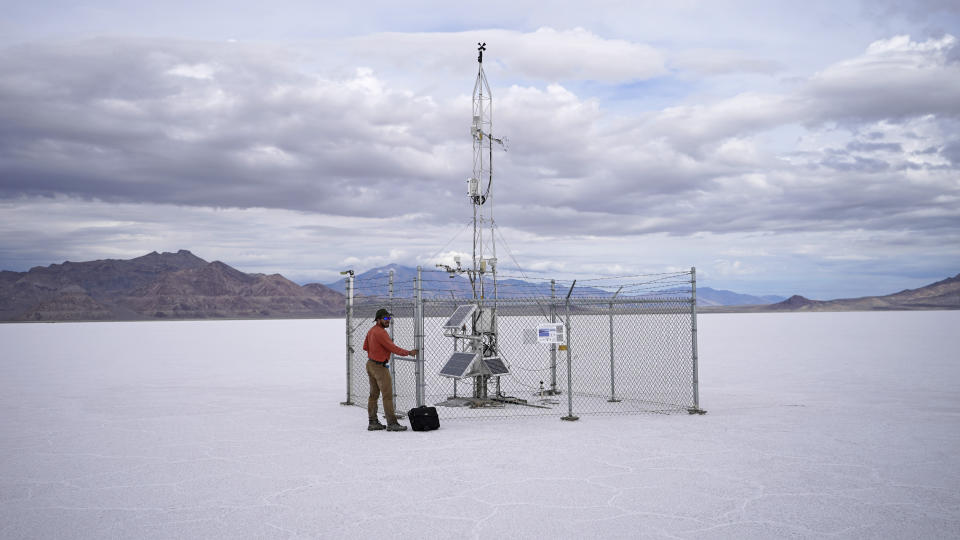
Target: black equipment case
423 418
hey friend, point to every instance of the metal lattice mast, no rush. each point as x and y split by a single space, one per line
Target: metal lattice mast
480 189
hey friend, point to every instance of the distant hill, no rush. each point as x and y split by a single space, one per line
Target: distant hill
157 286
943 294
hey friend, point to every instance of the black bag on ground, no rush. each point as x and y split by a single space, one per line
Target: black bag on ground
423 418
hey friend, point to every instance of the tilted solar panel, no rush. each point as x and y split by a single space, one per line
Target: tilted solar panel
460 316
496 365
458 364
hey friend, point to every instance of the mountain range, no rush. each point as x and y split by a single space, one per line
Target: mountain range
944 294
157 286
183 286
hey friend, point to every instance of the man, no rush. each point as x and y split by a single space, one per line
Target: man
379 346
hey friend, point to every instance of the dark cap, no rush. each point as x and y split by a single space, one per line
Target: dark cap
382 312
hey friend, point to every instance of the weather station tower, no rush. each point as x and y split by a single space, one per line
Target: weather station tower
476 324
480 185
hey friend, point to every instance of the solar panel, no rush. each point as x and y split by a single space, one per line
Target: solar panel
458 364
459 316
496 365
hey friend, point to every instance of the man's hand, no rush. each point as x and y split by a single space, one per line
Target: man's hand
414 352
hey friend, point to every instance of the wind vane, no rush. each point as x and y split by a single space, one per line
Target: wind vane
481 47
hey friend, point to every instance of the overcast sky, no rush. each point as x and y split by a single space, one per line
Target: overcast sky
779 147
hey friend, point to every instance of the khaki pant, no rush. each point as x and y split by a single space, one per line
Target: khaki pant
380 383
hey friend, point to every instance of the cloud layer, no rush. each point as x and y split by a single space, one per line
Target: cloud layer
341 130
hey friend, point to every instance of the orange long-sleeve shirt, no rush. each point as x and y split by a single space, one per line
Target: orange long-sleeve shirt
379 346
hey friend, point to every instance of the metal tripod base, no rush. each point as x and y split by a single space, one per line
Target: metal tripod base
696 411
518 401
455 401
480 403
570 418
347 403
473 403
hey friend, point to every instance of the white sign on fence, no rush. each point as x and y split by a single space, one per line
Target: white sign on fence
551 333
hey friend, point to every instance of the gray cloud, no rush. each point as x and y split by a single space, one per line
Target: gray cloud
172 123
895 79
858 146
721 62
857 163
952 152
209 124
241 126
916 10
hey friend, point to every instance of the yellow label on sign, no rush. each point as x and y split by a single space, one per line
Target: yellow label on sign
562 347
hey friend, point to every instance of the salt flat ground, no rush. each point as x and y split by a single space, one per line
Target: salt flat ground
837 425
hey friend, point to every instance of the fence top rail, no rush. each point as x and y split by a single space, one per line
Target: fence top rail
505 273
437 283
559 301
409 301
678 296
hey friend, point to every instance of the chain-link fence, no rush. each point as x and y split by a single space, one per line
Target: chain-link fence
629 347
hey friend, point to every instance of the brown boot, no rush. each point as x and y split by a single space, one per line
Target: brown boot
396 427
375 425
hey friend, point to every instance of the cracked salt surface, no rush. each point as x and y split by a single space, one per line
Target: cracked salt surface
821 425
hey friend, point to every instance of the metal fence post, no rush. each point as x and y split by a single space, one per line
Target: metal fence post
393 373
418 337
613 384
553 346
456 342
349 314
569 415
693 333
